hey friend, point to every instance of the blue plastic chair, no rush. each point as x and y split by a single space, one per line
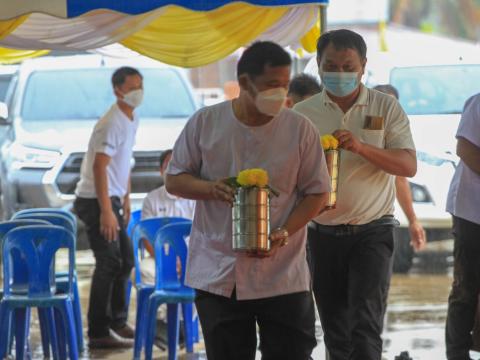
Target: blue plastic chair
20 282
61 218
145 230
135 217
50 216
169 288
37 245
61 211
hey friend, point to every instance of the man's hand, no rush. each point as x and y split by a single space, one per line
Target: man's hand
417 236
127 210
278 239
347 141
219 190
109 225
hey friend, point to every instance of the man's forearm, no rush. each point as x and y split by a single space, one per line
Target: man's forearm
309 207
399 162
404 197
101 187
188 186
469 153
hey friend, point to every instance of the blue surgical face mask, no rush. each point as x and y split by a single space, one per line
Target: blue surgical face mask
340 84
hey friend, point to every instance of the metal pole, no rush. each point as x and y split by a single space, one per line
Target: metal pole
323 18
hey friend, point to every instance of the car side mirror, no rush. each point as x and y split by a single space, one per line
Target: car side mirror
4 114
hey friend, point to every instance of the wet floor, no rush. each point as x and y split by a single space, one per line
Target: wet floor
414 322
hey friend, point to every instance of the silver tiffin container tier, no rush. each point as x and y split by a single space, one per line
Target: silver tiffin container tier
251 220
332 158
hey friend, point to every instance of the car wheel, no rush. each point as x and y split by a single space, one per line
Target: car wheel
403 252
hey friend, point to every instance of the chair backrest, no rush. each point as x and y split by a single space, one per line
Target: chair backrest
51 217
146 230
5 227
67 213
37 246
135 217
166 277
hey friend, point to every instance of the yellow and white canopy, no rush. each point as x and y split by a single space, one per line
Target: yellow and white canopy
185 33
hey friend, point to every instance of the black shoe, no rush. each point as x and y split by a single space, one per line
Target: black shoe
112 341
126 332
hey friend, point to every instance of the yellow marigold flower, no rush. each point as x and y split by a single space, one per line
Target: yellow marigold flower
329 142
253 177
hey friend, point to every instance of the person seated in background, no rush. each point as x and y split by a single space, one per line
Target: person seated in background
403 192
159 203
302 86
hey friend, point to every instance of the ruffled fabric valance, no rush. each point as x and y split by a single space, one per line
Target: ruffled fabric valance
177 34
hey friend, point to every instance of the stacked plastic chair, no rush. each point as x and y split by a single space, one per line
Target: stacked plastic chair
20 283
31 250
67 220
145 230
170 289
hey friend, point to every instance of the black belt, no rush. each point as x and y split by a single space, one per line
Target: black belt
348 230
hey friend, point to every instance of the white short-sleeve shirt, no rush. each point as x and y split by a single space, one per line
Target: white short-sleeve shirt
365 192
215 145
113 135
464 195
159 203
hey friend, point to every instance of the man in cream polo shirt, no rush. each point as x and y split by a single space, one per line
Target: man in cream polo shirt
351 245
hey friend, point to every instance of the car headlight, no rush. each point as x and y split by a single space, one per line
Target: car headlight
420 193
29 157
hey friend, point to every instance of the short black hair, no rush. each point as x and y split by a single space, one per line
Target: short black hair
164 155
259 55
119 76
342 39
387 89
304 85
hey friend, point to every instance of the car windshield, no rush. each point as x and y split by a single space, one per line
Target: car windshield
435 89
87 94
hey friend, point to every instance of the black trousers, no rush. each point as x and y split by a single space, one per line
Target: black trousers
286 324
462 302
113 264
351 277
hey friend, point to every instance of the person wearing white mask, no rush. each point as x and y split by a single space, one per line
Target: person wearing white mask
103 204
352 245
237 292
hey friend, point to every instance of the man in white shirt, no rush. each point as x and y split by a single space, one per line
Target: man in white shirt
103 204
463 203
235 292
404 194
352 245
160 203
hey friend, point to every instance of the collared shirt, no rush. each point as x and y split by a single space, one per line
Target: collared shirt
113 135
159 203
464 195
216 145
365 192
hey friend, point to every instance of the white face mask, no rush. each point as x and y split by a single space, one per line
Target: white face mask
271 101
133 98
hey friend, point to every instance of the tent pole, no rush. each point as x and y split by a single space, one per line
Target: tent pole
323 18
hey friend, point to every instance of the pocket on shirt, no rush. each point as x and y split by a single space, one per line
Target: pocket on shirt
373 137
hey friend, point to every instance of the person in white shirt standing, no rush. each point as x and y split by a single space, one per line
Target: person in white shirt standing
463 203
352 245
103 204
